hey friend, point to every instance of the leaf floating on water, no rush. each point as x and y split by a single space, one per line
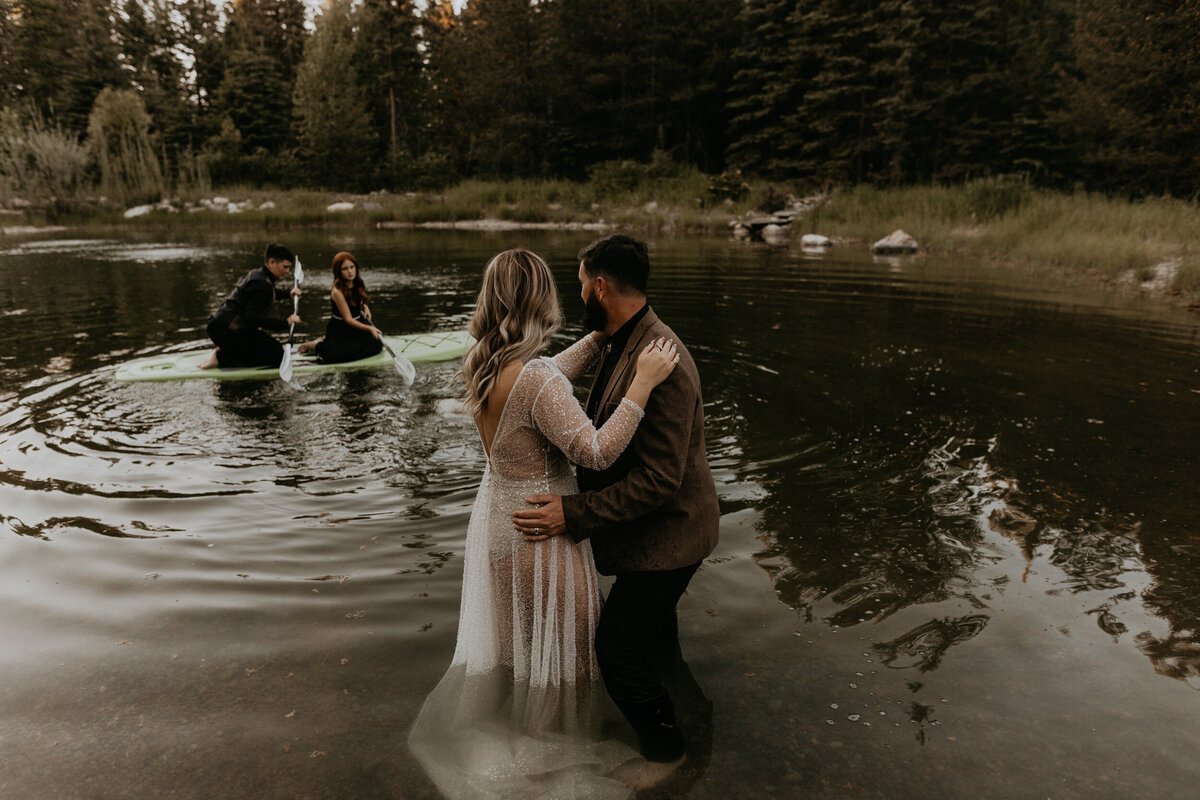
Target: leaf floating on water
750 674
290 714
356 615
150 576
338 578
1096 421
121 643
242 575
345 661
287 748
316 754
712 612
425 627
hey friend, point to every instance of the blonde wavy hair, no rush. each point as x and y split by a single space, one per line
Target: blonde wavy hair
516 314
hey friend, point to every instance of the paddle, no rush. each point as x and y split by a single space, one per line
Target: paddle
402 364
285 366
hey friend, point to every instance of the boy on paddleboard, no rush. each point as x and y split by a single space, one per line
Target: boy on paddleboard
236 327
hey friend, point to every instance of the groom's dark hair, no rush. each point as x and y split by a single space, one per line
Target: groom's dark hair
621 259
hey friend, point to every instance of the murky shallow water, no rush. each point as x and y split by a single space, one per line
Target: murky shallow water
960 540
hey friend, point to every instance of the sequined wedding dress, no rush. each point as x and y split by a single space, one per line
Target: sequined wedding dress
517 715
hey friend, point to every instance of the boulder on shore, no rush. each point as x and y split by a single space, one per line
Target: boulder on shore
815 240
339 207
896 242
775 234
137 211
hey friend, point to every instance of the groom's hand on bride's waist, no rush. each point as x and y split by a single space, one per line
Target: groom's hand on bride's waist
542 521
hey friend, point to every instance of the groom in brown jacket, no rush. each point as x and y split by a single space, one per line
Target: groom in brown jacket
652 516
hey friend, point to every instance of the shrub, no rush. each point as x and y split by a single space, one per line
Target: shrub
770 200
613 178
989 198
41 164
728 186
119 138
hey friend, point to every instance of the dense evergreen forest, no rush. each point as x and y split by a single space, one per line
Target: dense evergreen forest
152 96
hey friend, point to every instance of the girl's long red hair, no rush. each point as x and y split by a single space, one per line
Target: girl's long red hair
354 291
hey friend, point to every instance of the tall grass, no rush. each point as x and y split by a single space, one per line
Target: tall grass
1011 220
39 163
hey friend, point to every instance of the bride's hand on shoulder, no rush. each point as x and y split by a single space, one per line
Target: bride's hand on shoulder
656 362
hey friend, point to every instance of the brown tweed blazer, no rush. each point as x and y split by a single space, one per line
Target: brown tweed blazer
655 508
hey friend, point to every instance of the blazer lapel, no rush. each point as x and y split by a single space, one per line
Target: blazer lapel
619 382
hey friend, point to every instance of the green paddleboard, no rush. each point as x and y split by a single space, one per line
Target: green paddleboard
416 347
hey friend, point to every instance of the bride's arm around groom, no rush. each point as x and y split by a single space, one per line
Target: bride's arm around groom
652 516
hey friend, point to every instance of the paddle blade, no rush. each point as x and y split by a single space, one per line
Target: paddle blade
285 366
406 369
298 271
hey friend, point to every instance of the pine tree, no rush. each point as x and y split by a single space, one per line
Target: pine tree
262 48
150 40
335 132
274 28
388 62
848 67
63 54
500 50
8 73
1136 109
201 38
767 86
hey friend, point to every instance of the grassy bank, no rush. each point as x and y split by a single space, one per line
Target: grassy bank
1012 222
1006 221
682 202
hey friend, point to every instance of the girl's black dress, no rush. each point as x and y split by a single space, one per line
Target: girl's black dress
343 342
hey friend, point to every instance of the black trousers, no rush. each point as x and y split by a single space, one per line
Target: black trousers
254 348
637 629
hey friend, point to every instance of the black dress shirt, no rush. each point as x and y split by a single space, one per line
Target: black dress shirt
616 346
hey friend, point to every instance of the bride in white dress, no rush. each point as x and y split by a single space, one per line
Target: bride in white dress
517 714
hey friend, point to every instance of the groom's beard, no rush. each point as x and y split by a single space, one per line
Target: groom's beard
595 317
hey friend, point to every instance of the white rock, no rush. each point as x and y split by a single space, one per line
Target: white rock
815 240
895 242
650 207
1162 276
339 207
137 211
740 231
775 234
220 201
234 208
20 202
267 206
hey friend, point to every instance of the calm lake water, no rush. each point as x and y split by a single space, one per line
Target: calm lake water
960 540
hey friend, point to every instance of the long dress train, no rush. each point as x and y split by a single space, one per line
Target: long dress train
517 715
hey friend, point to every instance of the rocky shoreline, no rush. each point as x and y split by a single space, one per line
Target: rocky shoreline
775 229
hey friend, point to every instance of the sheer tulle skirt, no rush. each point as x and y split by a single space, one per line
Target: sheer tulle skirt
518 713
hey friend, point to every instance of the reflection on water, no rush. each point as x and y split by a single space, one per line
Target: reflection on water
960 546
